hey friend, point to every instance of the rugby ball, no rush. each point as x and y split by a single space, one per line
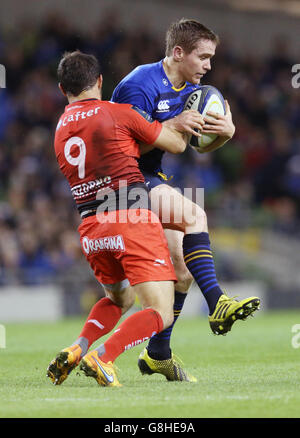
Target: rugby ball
206 98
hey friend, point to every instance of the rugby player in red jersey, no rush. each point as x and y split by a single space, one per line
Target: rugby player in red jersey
123 241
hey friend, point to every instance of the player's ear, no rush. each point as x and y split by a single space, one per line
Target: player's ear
100 82
61 89
178 53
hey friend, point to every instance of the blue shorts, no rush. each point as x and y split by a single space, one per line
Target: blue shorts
154 179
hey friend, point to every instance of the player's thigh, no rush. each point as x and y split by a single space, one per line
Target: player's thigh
158 295
176 211
184 277
146 256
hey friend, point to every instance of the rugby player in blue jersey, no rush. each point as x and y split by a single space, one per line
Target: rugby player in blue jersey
161 89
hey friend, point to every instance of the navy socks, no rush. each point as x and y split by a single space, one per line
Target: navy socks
199 261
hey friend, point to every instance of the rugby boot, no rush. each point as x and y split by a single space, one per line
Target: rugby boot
228 310
170 368
65 361
104 373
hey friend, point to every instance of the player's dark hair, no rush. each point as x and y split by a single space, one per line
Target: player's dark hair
186 33
77 72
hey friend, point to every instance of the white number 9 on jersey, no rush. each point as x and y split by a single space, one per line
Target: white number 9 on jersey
80 159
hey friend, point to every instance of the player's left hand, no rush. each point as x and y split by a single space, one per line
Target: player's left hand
219 124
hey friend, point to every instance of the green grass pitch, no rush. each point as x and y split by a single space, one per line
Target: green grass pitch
253 372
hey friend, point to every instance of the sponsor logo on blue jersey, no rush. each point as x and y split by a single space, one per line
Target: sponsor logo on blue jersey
163 106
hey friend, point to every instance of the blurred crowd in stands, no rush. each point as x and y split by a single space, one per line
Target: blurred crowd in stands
254 181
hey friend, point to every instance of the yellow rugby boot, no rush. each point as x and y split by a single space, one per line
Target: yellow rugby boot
170 368
66 360
104 373
228 310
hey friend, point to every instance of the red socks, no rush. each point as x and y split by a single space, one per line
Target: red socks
134 330
102 319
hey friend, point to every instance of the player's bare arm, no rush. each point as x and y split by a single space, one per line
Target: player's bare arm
175 132
168 140
218 124
171 140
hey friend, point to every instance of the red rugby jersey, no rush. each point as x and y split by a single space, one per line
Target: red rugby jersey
95 145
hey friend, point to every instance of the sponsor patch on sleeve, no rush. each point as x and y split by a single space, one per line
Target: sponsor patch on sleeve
143 113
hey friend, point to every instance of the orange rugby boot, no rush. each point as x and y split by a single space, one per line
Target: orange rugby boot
104 373
66 360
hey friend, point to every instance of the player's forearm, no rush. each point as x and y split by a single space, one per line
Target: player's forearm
171 141
178 141
171 123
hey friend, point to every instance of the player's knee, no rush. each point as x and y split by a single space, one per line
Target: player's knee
124 300
165 310
128 303
159 296
198 215
195 219
184 277
184 282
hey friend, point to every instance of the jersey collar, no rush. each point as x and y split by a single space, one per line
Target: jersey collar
166 77
78 102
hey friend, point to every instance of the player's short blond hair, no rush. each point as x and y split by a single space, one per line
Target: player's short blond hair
186 33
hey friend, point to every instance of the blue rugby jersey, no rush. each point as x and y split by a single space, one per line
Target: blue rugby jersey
149 88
